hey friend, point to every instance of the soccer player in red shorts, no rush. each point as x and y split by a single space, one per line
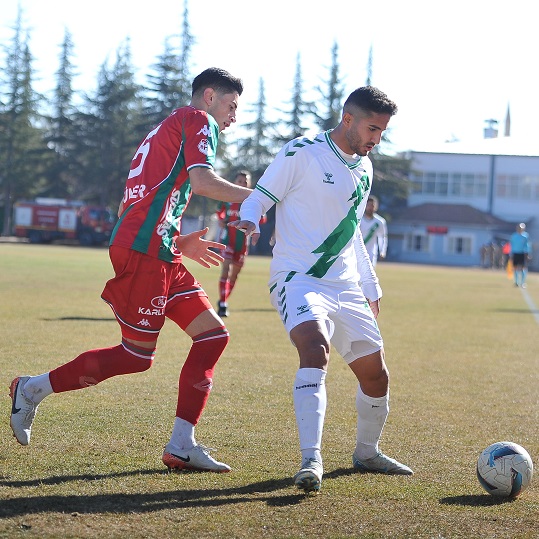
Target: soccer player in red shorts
151 283
236 242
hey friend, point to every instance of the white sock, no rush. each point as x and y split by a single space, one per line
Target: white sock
38 387
372 413
183 434
310 401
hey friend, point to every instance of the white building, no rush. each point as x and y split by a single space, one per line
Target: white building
465 195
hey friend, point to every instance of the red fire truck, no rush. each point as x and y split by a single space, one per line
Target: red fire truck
44 220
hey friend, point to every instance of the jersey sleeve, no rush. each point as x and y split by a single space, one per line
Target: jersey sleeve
273 186
383 238
221 211
200 135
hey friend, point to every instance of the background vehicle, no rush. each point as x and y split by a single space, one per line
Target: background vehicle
44 220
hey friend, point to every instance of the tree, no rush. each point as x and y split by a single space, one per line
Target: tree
170 86
111 129
21 145
332 98
256 151
60 133
300 109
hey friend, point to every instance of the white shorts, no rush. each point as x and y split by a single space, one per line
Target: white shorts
345 313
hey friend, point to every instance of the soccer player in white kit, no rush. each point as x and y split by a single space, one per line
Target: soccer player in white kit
320 188
374 231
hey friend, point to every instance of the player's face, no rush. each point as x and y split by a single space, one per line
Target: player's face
223 108
365 131
242 180
369 208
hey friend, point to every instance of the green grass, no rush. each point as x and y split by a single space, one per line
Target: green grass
461 346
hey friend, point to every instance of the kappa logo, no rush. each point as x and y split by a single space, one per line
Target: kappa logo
328 176
205 131
144 322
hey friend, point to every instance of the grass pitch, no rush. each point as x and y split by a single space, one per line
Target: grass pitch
461 346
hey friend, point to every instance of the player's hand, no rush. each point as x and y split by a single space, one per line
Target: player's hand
375 307
195 247
248 227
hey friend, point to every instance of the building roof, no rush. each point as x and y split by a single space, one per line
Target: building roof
461 214
489 146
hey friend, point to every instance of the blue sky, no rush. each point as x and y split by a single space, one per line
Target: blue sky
449 66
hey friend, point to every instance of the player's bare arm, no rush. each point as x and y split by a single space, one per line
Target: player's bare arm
205 182
195 247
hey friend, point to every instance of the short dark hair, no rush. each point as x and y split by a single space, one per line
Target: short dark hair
218 79
371 99
374 200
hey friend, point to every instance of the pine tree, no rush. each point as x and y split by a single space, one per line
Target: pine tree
60 133
169 87
111 129
331 99
256 151
21 145
300 109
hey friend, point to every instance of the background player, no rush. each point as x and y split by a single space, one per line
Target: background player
520 254
151 282
236 242
374 231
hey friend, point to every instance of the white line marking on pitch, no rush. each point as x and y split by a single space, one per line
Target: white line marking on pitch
531 304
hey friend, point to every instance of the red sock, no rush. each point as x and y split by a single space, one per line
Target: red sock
230 287
197 372
94 366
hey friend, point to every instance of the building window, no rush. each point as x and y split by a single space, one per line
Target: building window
442 183
429 183
481 185
417 182
459 245
417 243
455 184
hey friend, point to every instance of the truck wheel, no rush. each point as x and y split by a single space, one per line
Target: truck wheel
34 236
86 239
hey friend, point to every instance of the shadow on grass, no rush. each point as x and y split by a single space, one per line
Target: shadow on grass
147 502
86 318
517 311
484 500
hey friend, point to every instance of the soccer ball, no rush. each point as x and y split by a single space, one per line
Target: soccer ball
504 469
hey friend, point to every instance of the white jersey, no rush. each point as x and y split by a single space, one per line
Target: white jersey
320 195
374 232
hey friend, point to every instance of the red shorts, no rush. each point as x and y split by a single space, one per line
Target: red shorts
145 290
235 257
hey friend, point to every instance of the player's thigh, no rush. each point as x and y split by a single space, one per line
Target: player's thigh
302 299
188 304
137 293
